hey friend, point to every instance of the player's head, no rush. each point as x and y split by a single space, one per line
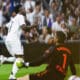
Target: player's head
19 9
60 37
13 13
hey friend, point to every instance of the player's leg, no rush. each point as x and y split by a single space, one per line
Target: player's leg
18 50
9 45
3 59
6 59
16 66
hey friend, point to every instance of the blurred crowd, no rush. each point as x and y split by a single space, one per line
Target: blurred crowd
45 17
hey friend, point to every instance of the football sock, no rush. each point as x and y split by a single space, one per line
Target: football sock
15 68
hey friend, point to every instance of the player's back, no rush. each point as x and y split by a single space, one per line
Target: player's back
59 62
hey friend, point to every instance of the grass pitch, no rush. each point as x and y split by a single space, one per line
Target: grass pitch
5 70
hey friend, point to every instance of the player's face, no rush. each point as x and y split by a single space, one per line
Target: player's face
13 14
55 38
22 10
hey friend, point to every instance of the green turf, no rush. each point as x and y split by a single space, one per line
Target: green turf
6 69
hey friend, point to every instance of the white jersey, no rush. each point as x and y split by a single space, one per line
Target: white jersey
12 41
14 27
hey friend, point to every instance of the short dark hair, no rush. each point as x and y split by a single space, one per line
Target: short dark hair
61 36
16 9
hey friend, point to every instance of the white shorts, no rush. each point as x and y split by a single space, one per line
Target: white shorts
14 47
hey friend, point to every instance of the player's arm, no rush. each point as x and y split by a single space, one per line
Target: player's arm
4 30
72 66
24 28
22 23
42 59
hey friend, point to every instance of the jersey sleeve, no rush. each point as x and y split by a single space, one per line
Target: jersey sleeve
21 20
8 25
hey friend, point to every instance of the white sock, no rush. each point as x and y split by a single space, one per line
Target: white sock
14 69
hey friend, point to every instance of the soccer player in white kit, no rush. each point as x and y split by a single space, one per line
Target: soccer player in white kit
5 30
13 43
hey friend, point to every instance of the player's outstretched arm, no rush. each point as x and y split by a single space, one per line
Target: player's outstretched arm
42 59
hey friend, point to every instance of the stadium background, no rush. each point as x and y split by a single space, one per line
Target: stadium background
33 51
